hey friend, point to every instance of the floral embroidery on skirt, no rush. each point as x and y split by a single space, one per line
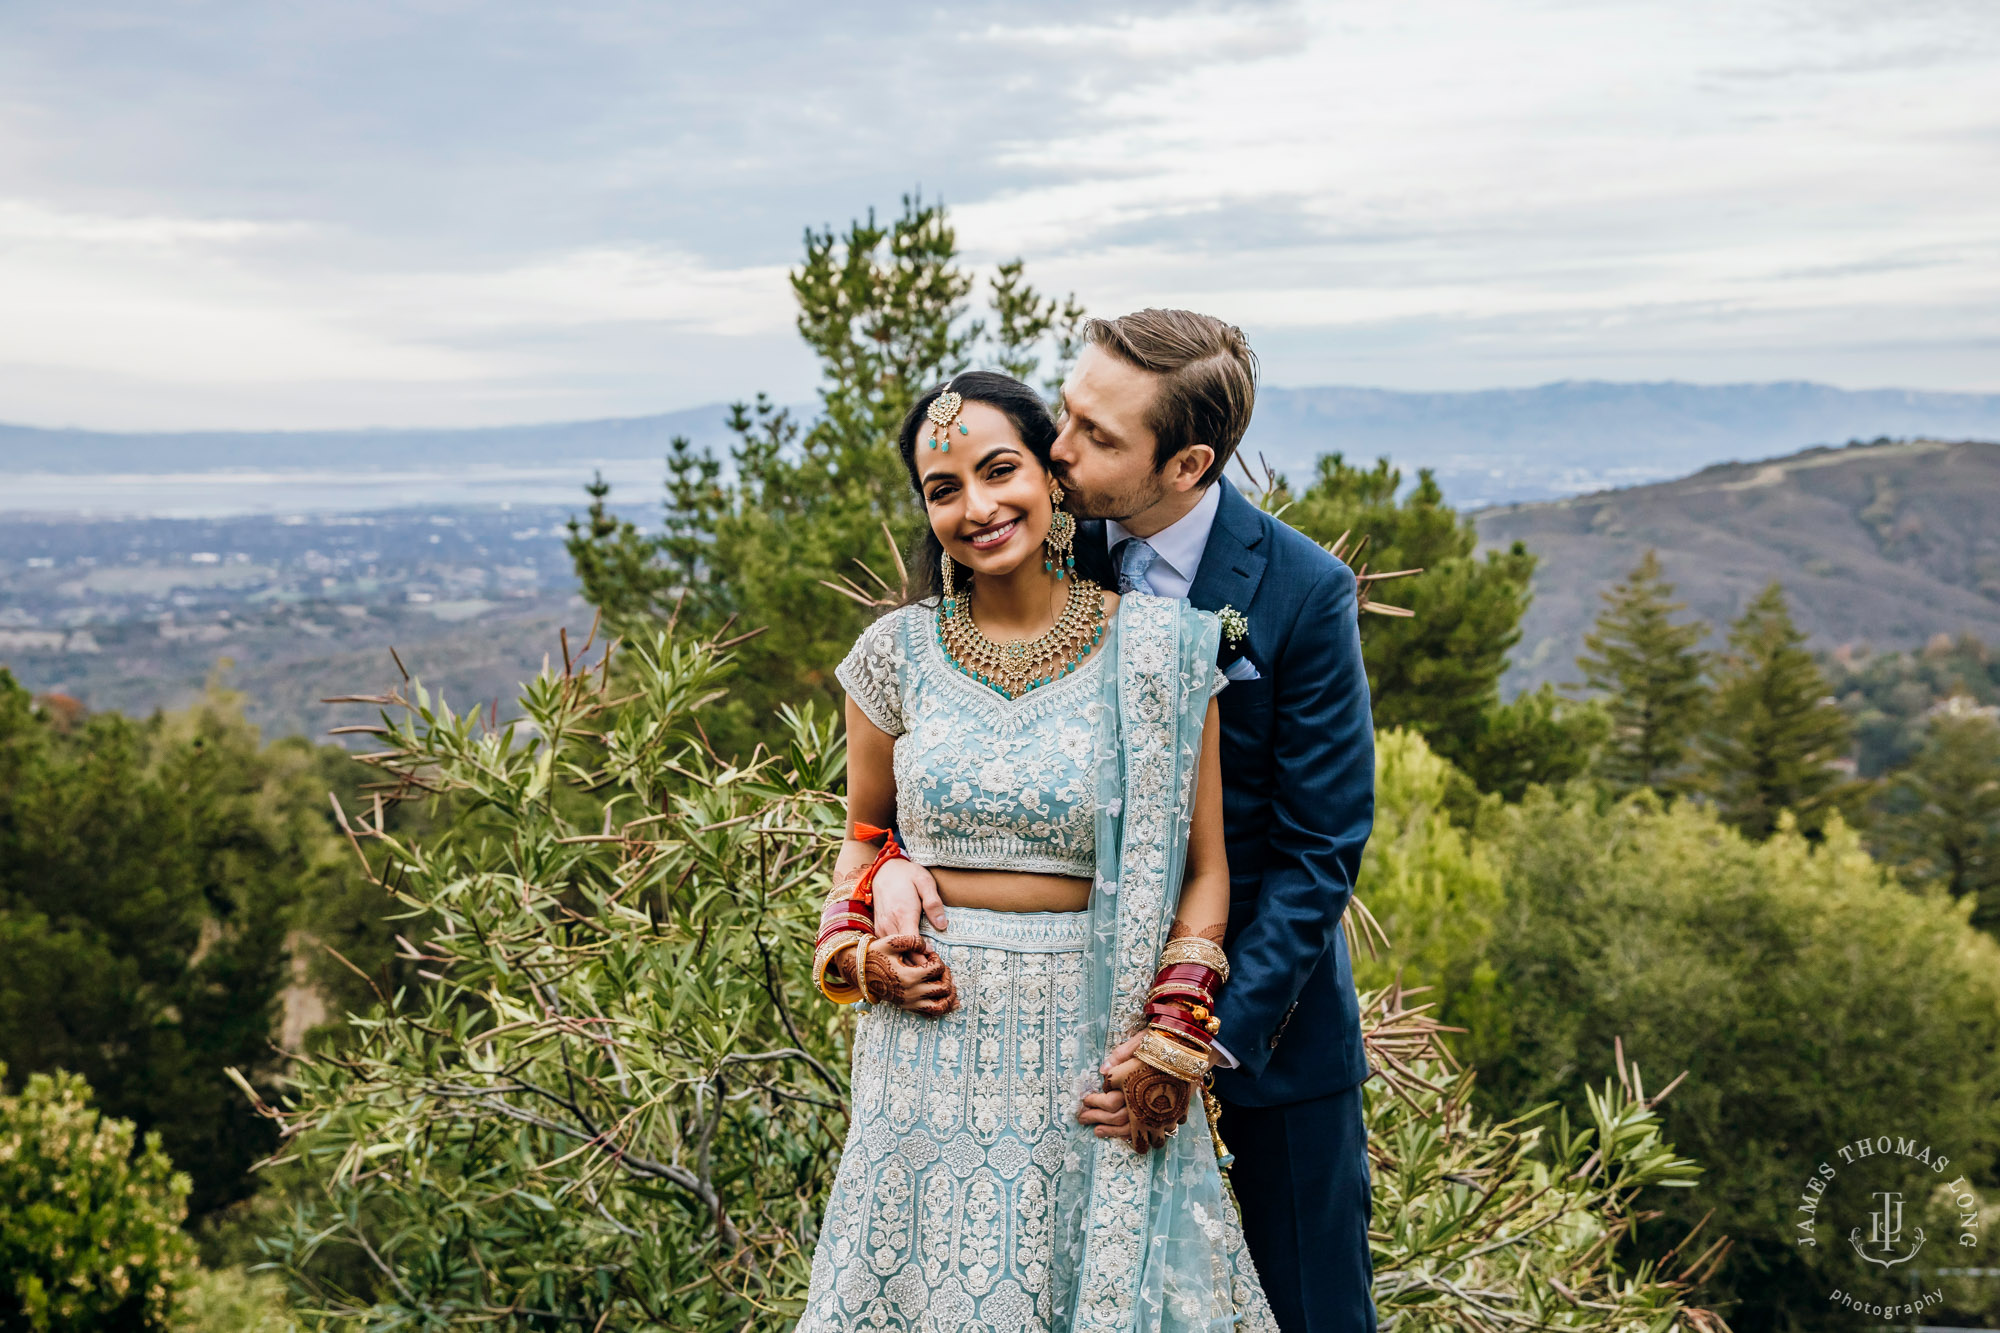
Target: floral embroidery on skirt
941 1215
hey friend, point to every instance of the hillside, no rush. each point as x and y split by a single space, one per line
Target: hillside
1487 447
1878 545
1497 446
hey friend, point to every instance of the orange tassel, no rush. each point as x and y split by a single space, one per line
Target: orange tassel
864 888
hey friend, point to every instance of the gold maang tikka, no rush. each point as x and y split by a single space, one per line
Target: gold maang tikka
943 414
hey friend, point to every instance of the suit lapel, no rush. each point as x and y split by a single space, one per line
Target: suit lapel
1231 564
1093 556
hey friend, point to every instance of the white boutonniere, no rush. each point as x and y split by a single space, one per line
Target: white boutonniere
1234 624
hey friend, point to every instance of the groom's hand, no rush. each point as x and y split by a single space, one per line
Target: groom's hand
903 891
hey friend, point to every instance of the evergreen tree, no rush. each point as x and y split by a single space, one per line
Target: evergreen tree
150 875
887 310
1437 671
1651 674
1775 733
1536 739
637 579
1942 814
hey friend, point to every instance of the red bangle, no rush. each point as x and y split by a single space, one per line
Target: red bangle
843 905
1180 990
1201 972
1183 1028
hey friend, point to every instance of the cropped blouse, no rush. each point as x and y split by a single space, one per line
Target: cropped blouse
983 782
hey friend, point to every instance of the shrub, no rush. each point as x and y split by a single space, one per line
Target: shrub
89 1230
1809 996
611 1098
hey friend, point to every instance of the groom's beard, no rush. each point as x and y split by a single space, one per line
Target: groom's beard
1119 505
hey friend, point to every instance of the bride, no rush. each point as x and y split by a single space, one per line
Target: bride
1051 754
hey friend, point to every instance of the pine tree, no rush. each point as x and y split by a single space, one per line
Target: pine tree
1941 823
1438 670
887 310
1775 734
1651 674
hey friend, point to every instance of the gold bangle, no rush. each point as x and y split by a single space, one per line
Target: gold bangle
828 981
1170 1057
861 967
1194 949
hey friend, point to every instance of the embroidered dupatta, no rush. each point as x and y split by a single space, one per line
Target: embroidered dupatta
1146 1244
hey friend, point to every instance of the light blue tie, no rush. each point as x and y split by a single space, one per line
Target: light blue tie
1135 557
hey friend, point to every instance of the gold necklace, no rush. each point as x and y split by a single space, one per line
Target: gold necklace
1018 666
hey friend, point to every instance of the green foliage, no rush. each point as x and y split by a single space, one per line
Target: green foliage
1436 672
90 1232
1652 676
228 1300
1481 1227
1023 321
886 310
149 877
1941 815
1775 733
636 579
609 1098
1434 891
1808 995
1536 739
1889 696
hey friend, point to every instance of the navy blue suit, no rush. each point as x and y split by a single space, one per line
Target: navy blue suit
1298 767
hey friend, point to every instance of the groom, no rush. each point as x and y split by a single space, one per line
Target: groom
1152 412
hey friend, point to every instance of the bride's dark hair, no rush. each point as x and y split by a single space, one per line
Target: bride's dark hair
1037 429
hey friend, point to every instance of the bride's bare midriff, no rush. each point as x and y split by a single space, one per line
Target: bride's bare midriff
1011 890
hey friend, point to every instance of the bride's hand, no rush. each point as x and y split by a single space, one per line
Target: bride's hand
1157 1102
904 891
903 970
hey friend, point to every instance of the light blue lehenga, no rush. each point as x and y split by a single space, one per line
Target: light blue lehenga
968 1198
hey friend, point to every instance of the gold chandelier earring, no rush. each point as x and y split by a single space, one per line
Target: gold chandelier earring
1059 545
944 577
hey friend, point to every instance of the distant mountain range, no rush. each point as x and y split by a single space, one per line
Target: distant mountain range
1878 546
1488 447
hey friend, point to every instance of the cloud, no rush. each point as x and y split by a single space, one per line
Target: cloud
222 211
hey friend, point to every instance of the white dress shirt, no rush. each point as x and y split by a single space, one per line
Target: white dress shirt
1178 547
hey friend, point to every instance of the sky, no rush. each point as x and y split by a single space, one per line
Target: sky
443 212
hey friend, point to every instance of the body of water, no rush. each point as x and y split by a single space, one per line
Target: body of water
235 492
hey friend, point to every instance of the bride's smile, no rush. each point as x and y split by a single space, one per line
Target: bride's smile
994 537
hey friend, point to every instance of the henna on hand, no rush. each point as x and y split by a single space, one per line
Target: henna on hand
1213 934
906 972
1157 1103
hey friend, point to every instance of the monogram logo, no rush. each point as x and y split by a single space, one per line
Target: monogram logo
1885 1233
1879 1192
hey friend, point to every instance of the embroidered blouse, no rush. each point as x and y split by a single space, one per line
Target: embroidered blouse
983 782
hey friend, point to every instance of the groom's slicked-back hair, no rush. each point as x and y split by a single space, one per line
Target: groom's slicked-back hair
1208 378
